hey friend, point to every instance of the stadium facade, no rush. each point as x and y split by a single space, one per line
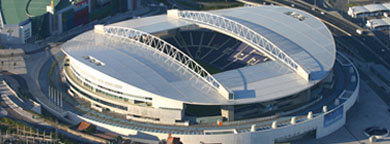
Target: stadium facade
240 75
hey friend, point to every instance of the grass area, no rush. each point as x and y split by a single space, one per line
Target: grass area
14 11
38 7
91 130
209 68
24 94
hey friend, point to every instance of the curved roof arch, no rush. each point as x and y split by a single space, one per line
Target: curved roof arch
163 47
244 33
308 42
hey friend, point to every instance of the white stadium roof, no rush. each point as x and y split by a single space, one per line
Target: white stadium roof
301 36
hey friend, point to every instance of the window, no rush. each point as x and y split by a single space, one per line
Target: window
107 91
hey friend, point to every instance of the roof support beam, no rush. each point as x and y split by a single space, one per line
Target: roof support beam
171 52
241 32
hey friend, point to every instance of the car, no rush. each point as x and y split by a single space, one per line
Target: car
378 132
361 31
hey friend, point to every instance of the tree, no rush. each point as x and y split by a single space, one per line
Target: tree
91 129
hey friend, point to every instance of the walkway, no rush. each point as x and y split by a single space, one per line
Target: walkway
17 104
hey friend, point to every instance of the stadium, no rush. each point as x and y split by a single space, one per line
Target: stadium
241 75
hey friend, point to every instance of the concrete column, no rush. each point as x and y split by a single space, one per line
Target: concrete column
62 101
51 23
253 128
372 139
308 94
99 29
324 108
174 13
59 18
274 124
49 93
235 131
227 112
310 115
55 97
293 120
336 102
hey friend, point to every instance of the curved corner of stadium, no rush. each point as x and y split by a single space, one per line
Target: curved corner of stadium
217 53
105 94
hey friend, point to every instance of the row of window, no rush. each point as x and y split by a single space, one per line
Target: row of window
87 84
79 77
111 95
97 79
140 103
99 100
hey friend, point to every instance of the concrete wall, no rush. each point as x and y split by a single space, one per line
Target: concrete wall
166 116
114 84
264 136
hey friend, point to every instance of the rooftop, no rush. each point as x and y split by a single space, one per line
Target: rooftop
307 41
379 22
371 8
304 39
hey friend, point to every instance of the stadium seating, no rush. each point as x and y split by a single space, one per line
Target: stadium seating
215 49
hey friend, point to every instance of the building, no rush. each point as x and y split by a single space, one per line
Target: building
69 14
16 22
16 33
25 21
378 24
224 76
369 10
